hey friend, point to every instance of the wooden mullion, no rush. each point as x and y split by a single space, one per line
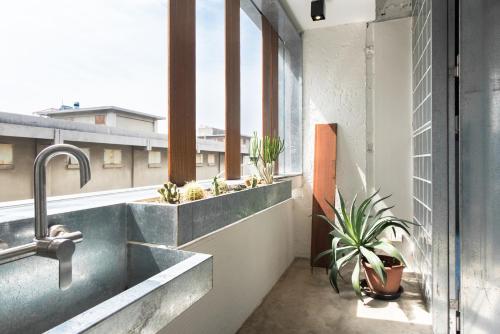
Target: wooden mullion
232 63
182 91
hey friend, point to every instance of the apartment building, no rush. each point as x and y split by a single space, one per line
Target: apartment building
124 147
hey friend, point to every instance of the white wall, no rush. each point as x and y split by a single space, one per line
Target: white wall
389 166
249 258
334 84
359 78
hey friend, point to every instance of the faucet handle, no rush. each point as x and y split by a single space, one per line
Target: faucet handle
62 232
62 250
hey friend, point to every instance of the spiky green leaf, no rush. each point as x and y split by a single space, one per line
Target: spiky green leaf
375 262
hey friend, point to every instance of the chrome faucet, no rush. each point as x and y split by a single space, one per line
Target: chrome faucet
57 242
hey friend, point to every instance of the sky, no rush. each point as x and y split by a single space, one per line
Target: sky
114 52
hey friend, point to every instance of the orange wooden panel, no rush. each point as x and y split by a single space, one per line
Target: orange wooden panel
324 184
233 132
270 96
270 104
182 91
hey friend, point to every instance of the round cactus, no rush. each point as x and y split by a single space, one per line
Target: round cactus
193 191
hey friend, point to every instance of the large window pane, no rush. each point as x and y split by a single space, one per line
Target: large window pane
92 67
251 79
210 86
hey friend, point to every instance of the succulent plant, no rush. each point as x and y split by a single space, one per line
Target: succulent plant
169 193
251 181
193 191
267 150
219 186
356 235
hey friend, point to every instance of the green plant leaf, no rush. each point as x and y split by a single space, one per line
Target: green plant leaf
345 239
341 221
326 219
337 266
367 223
322 254
375 262
355 280
381 225
389 249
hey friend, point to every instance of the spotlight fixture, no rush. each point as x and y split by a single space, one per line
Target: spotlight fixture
318 10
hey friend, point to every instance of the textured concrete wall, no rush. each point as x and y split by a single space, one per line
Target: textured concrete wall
389 133
359 78
16 182
249 258
206 172
144 175
334 92
134 124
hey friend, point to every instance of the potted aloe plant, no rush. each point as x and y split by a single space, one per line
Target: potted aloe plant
356 236
264 153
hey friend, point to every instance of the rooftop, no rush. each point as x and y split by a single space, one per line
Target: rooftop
119 110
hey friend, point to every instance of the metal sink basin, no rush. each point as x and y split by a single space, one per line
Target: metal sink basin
118 286
162 283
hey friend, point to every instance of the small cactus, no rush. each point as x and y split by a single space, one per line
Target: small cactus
169 193
251 181
193 191
219 186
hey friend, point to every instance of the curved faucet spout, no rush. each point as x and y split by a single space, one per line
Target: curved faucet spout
41 161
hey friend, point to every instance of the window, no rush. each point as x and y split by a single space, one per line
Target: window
112 158
6 156
97 53
154 159
211 159
100 119
251 72
199 159
210 77
73 163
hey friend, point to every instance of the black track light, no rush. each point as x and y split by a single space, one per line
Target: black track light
318 10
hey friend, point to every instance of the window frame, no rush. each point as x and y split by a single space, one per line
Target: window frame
113 164
9 165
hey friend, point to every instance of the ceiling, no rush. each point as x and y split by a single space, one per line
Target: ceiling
336 11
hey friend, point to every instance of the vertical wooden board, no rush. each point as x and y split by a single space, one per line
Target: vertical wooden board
270 88
270 104
324 184
233 132
182 91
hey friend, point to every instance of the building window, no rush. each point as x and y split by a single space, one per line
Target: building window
154 159
73 163
211 159
100 119
6 156
112 158
199 159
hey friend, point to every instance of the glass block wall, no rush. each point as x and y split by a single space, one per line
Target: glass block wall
422 140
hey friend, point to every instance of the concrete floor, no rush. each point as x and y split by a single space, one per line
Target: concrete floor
304 302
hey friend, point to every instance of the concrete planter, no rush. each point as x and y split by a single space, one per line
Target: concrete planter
174 225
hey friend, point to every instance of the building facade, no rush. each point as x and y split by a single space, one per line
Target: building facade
120 156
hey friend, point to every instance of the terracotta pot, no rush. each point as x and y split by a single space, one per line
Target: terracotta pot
394 270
